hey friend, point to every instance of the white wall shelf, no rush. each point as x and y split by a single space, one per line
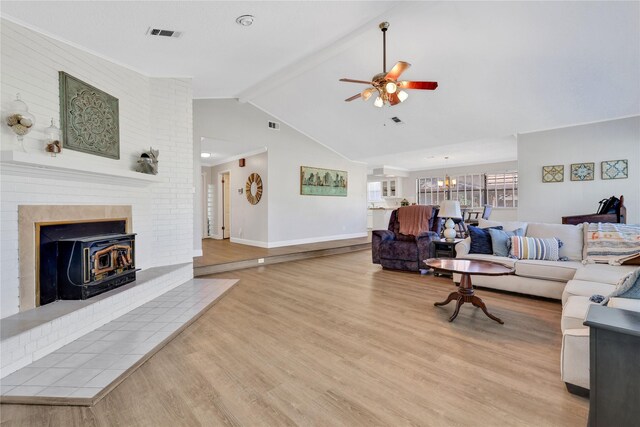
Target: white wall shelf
70 168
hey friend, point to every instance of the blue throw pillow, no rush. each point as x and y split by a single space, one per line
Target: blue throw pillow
501 242
481 240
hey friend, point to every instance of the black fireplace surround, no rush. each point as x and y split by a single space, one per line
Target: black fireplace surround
81 260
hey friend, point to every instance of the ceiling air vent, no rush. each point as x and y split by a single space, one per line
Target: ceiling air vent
163 33
274 125
397 120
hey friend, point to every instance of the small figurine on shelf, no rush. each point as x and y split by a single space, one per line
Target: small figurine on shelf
52 134
404 202
148 162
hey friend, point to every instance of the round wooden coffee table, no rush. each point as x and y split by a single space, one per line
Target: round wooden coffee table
466 268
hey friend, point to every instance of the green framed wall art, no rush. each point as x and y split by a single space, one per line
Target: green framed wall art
322 182
88 118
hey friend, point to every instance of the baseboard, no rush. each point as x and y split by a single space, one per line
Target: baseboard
315 240
257 243
197 252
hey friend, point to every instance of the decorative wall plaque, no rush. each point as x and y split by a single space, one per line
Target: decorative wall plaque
88 118
615 169
582 171
554 173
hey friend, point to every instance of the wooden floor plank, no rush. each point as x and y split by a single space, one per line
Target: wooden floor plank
339 341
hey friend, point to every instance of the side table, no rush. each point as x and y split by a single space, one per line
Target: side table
614 346
444 249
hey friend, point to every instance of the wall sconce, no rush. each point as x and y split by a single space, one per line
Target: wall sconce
52 139
19 119
241 163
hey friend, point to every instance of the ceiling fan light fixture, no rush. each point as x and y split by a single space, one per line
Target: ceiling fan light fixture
366 94
378 102
402 95
391 87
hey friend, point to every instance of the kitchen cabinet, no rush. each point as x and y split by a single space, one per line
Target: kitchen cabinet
392 188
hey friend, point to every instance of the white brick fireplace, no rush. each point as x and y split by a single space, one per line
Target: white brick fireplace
154 112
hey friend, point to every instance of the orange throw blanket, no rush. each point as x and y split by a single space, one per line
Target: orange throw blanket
414 219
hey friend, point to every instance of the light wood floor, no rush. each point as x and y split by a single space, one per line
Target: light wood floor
338 341
223 251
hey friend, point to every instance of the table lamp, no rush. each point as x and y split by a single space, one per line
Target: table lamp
449 209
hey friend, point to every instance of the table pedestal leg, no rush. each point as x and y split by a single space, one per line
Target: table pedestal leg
465 294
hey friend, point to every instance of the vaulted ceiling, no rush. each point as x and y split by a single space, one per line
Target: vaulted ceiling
502 67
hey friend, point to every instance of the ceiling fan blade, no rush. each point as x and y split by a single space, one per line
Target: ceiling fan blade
393 98
397 70
356 81
353 97
418 85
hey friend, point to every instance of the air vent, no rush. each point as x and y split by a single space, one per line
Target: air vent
163 33
274 125
397 120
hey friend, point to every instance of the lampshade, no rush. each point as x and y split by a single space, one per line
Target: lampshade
378 102
450 209
391 87
402 95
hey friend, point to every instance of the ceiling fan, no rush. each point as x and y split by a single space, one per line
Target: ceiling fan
386 84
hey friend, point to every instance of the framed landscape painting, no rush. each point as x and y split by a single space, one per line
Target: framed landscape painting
322 182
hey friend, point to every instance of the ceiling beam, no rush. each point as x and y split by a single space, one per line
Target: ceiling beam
288 72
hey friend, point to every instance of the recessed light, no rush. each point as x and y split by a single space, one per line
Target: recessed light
205 155
244 20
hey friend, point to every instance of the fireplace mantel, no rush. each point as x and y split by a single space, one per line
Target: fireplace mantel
74 168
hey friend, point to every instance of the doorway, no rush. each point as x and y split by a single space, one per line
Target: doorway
226 206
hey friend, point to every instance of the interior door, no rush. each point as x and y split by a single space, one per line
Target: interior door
226 216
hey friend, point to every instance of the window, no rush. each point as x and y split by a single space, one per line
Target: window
499 190
467 189
374 191
502 189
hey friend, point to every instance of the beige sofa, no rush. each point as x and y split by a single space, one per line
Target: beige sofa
570 281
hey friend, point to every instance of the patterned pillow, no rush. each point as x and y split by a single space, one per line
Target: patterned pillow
628 286
535 248
480 240
501 242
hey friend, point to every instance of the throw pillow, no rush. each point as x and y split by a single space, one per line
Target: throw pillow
480 240
628 286
535 248
501 242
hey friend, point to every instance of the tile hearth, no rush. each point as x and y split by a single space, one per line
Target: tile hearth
83 371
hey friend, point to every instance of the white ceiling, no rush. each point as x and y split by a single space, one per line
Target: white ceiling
221 151
502 67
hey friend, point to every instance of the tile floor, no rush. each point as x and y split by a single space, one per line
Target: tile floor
84 367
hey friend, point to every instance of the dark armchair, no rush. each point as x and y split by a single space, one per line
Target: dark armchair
397 251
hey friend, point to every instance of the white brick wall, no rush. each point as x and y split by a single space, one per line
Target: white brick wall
154 112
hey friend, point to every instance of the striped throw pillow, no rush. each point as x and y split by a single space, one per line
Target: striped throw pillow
535 248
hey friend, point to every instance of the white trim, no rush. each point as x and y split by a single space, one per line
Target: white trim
315 240
197 252
577 124
249 242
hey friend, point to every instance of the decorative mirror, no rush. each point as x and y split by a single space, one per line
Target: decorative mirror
253 188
